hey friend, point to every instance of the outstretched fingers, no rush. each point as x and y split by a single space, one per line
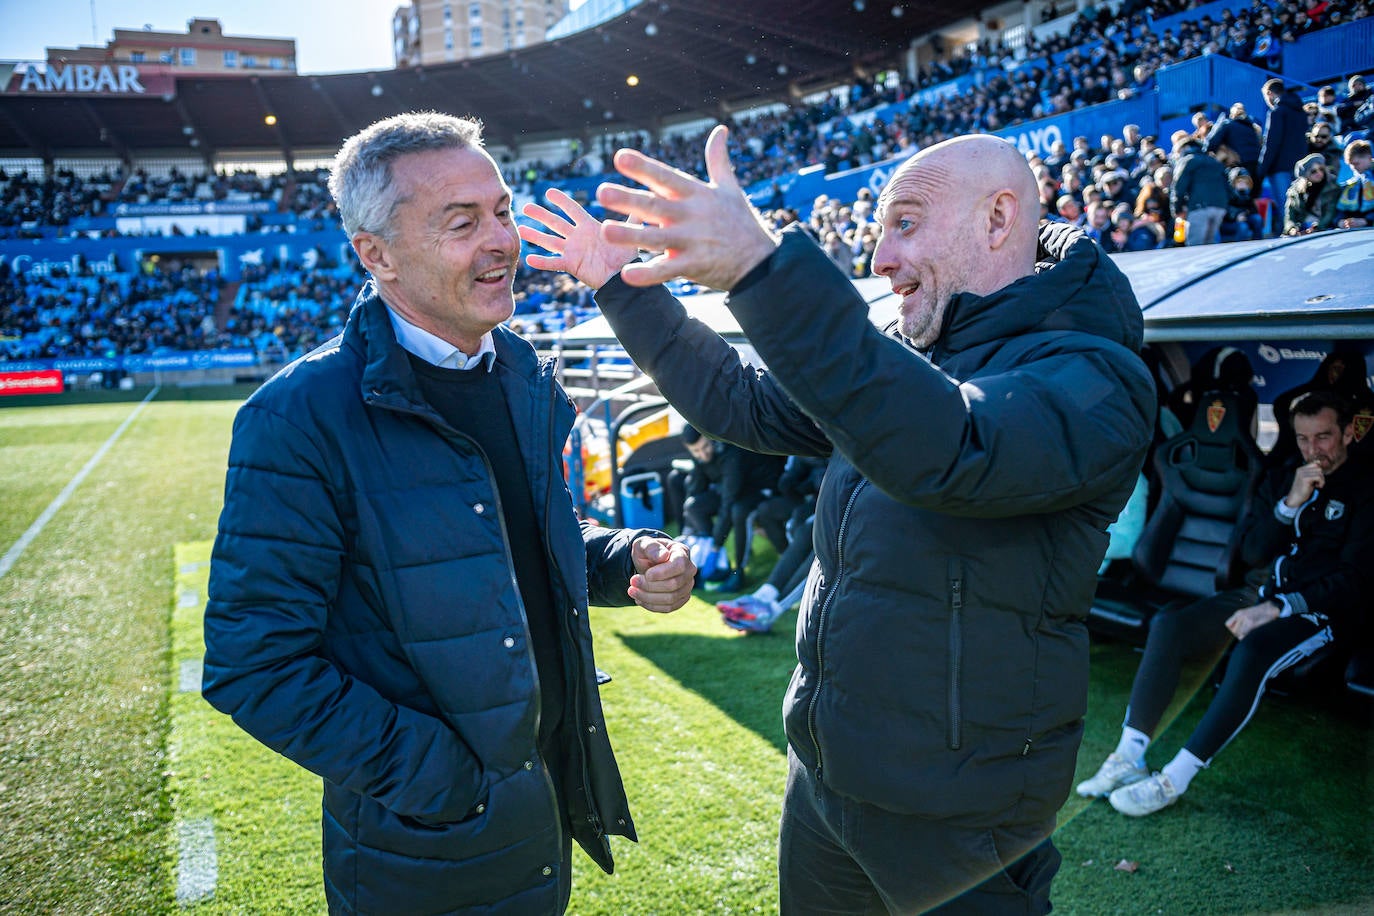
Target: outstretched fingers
718 166
555 244
551 220
656 176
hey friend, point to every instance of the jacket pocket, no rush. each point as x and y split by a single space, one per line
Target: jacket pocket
955 585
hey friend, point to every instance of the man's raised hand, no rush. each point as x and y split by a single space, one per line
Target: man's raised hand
575 241
1306 480
708 232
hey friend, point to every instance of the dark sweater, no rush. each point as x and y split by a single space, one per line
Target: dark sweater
471 401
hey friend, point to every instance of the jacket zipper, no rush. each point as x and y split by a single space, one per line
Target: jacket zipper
573 658
821 619
1297 535
956 651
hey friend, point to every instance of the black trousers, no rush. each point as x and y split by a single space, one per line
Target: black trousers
839 856
699 513
794 562
1198 631
774 514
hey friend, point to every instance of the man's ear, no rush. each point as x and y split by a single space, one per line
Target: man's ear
1003 210
375 255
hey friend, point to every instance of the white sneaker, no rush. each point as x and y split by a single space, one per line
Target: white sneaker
1144 797
1116 771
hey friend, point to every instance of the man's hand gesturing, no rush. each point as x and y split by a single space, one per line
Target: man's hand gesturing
1308 479
708 232
663 574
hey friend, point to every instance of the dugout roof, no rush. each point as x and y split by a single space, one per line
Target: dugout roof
693 58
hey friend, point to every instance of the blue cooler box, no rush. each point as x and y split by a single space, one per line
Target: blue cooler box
641 499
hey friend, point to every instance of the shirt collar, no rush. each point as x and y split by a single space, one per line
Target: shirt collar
438 352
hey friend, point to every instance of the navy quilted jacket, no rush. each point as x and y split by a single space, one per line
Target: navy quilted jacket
364 621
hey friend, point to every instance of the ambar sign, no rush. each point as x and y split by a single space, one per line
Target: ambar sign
88 79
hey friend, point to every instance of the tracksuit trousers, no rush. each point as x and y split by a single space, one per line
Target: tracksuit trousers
1198 631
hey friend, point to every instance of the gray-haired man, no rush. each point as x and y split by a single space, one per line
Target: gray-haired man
399 589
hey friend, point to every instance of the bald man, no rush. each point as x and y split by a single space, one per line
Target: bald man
978 448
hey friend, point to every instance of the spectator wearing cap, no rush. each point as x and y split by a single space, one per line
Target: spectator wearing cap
1236 137
1243 221
1067 210
1113 185
1356 113
1321 139
1200 192
1149 162
1078 164
1117 237
1310 205
1356 94
1285 137
1326 108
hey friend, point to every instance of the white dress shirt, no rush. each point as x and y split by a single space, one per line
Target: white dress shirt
438 352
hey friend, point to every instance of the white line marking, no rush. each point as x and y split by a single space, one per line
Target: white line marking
14 553
197 861
189 676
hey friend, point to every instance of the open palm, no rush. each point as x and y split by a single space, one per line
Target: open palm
575 242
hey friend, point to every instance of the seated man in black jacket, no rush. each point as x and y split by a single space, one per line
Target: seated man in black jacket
725 485
1311 526
790 512
976 452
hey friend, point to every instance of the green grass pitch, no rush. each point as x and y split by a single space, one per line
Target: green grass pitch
122 791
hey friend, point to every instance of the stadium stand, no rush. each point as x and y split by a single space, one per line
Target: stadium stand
283 299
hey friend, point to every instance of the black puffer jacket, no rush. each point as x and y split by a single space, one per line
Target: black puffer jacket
942 655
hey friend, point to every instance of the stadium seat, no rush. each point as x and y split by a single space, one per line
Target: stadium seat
1187 549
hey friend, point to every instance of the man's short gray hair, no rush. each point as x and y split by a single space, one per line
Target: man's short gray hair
361 177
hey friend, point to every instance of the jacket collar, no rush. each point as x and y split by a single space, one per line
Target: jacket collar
1075 287
387 376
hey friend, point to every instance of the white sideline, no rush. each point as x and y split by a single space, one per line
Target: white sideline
197 861
14 553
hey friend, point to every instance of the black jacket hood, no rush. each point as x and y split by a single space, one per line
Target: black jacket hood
1066 293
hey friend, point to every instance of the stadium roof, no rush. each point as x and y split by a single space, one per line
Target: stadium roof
693 58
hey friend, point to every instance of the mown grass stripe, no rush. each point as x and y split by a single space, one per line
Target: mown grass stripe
17 550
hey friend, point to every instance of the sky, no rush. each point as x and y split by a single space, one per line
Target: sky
331 35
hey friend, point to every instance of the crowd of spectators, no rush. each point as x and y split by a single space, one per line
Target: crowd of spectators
35 208
279 310
1106 52
28 205
1109 52
1130 191
168 307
